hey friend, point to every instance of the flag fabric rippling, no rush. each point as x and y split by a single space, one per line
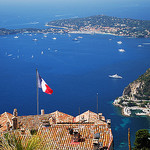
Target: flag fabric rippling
43 85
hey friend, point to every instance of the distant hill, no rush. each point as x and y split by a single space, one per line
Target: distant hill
106 24
99 24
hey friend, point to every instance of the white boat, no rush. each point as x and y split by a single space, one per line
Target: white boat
34 39
75 39
80 37
10 55
42 53
119 42
45 36
32 56
49 49
54 38
16 37
121 50
115 76
139 45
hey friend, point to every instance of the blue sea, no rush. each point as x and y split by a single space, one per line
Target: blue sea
75 70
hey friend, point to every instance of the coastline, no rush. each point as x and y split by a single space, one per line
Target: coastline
127 111
91 32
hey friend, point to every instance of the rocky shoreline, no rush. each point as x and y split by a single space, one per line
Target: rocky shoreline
127 111
136 96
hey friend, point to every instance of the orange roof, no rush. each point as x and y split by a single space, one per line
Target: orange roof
57 135
4 118
34 121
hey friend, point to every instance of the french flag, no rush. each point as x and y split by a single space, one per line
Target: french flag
43 85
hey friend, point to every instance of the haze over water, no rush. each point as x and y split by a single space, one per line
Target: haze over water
76 71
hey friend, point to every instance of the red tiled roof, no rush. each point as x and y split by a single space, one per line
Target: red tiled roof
4 118
34 121
57 135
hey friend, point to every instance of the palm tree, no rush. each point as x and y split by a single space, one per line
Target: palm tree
13 142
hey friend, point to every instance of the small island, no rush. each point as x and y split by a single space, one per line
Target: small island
136 96
99 24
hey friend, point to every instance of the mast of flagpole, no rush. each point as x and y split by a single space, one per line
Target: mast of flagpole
129 141
37 92
97 104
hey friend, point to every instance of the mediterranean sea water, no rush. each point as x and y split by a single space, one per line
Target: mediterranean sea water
75 71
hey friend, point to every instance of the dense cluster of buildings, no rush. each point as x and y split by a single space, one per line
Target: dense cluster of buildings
87 131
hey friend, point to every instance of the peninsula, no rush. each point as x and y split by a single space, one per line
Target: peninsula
102 24
136 96
99 24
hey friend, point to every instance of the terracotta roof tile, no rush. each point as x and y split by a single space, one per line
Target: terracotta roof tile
4 118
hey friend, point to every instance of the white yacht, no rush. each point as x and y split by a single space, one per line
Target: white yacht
42 53
115 76
80 37
75 39
16 37
121 50
34 39
119 42
54 38
10 55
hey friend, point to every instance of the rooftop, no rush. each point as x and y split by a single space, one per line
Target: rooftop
60 130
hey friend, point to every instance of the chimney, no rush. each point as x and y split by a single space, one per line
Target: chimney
14 120
109 123
76 134
42 112
100 116
8 127
15 113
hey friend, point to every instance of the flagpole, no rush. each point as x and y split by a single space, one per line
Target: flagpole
37 93
129 141
97 103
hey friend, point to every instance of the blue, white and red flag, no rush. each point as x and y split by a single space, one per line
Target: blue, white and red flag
43 85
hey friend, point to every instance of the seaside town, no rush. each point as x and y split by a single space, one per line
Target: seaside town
100 24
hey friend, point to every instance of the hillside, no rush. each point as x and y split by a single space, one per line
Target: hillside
136 96
106 24
140 88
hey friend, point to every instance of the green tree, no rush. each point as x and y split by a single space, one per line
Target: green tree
142 140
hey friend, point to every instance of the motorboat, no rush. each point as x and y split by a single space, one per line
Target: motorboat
75 39
121 50
80 37
34 39
116 76
119 42
16 37
54 38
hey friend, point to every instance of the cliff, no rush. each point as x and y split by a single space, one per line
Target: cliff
140 88
136 96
